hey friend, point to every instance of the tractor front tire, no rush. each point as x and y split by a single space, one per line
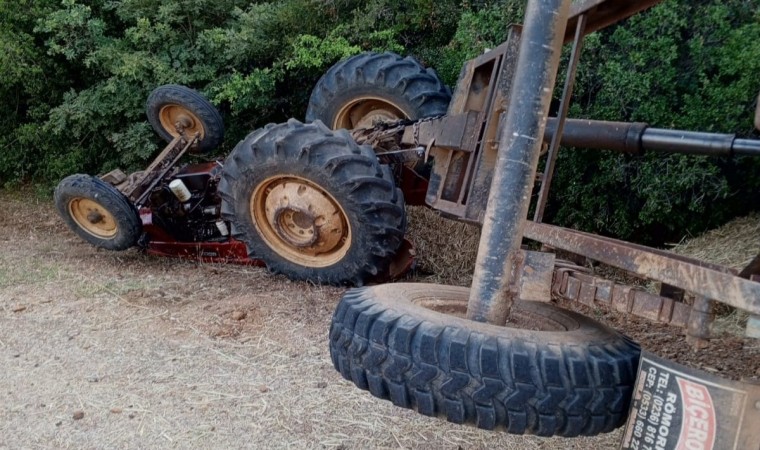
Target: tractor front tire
552 372
376 87
312 204
172 103
97 212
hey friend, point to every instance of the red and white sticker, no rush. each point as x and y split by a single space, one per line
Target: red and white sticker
680 408
698 424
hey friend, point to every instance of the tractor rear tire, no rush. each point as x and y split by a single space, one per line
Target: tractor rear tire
557 373
376 87
313 204
170 103
97 212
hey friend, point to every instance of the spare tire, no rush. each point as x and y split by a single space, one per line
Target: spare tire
554 372
376 87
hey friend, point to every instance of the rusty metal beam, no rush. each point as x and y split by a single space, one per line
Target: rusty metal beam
567 92
149 178
603 13
520 143
711 281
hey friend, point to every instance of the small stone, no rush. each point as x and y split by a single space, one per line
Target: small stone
322 384
263 389
116 410
58 424
19 308
78 415
239 315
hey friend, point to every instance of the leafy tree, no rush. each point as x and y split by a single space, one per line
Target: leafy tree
74 76
684 65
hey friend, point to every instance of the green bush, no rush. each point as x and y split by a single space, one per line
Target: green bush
74 76
684 65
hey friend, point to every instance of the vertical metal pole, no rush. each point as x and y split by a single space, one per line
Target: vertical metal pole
520 142
551 158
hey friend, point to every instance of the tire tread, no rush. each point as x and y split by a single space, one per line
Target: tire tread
565 389
386 74
352 168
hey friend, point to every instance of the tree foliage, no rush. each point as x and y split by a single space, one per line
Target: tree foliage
688 65
74 75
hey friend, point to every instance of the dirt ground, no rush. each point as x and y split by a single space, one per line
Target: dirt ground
114 350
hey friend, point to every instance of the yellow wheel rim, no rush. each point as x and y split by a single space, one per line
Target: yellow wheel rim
173 117
300 221
366 112
93 218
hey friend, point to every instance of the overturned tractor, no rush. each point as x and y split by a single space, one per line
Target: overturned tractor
324 201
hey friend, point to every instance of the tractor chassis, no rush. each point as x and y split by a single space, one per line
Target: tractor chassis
157 240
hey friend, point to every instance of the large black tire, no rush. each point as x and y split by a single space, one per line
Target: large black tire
166 103
304 178
97 212
577 380
377 86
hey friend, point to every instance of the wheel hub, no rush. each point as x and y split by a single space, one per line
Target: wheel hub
296 226
183 122
93 218
176 119
300 221
366 112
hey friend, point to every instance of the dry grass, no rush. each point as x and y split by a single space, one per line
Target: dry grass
446 250
732 245
149 351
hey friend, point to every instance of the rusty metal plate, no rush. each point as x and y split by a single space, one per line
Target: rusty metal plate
537 275
560 281
646 305
604 291
621 298
602 13
676 407
573 288
586 294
